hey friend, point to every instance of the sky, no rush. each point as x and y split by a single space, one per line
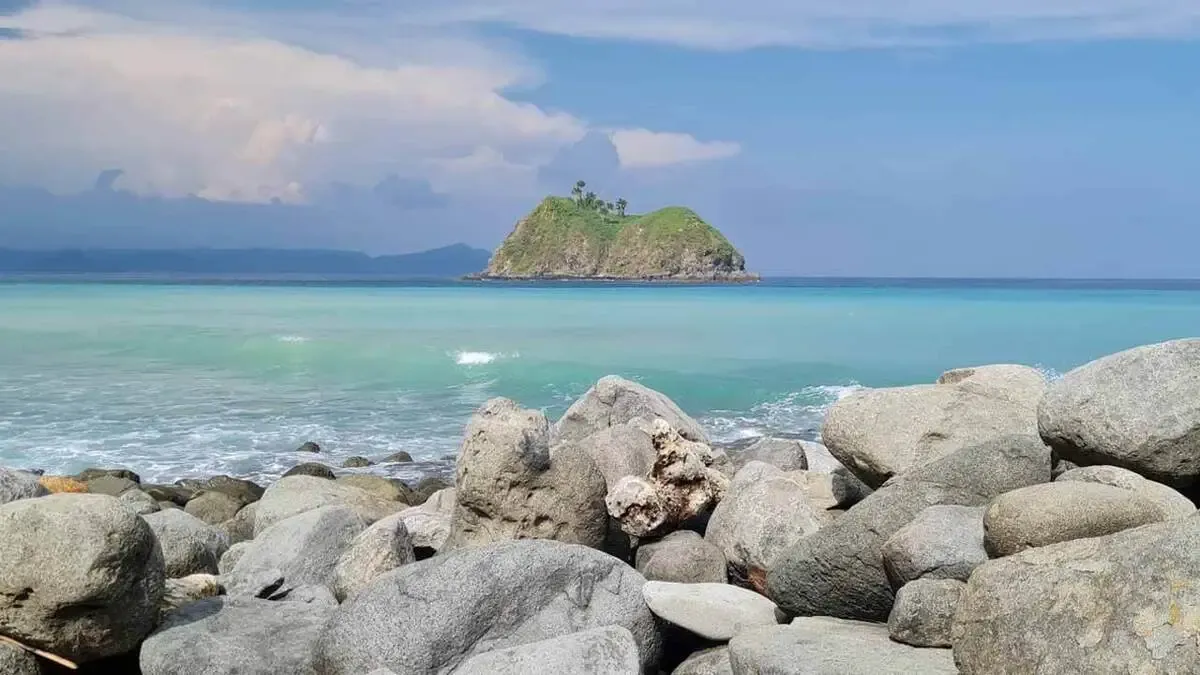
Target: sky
976 138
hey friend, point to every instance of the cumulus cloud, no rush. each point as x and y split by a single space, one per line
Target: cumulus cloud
642 148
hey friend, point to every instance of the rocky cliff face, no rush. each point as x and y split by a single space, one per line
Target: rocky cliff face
561 239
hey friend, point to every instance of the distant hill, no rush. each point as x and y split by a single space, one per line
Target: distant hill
585 239
449 261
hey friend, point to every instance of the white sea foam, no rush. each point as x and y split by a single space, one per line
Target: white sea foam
470 358
798 413
291 338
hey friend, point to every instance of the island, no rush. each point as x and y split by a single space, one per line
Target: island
583 237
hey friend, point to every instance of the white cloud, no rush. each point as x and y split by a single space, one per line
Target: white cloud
642 148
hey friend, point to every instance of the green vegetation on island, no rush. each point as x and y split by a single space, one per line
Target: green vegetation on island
586 237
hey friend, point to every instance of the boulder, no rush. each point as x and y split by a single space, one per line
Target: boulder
820 645
176 494
398 458
510 486
765 511
428 525
294 495
303 549
386 488
1172 503
14 661
712 611
236 636
82 575
245 491
380 548
924 612
613 401
426 487
680 486
232 555
315 469
139 502
607 650
1039 515
838 571
682 556
184 591
621 450
845 487
1134 409
1124 603
786 454
711 661
241 526
88 474
16 485
309 446
356 462
113 486
189 545
430 616
880 433
942 542
214 508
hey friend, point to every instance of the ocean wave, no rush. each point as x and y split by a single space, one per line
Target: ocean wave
291 338
470 358
797 414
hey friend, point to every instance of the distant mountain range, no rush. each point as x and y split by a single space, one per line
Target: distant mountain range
449 261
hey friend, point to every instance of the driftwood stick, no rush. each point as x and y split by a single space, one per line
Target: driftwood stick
34 650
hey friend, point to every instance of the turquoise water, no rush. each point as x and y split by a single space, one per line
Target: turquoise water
182 380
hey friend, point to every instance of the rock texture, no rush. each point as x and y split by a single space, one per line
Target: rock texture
783 453
189 545
621 450
302 550
1039 515
712 661
430 616
838 571
510 486
712 611
614 401
1135 409
15 661
82 575
923 615
826 646
428 525
880 433
294 495
942 542
16 485
683 557
1171 503
1125 603
213 507
380 548
608 650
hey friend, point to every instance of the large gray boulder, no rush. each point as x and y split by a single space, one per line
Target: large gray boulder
245 491
711 661
1172 503
1135 409
822 645
1125 603
388 488
845 488
510 486
765 511
380 548
303 550
236 636
213 507
608 650
81 576
16 485
189 545
942 542
682 556
838 571
786 454
924 612
241 526
430 616
621 450
294 495
1039 515
613 401
139 502
428 525
880 433
712 611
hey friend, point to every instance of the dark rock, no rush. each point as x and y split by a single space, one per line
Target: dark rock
245 491
113 486
401 457
426 487
175 494
356 462
311 469
89 474
309 446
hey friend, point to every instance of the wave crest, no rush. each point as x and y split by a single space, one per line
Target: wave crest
470 358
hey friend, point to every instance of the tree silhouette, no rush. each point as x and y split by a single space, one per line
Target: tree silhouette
621 204
577 191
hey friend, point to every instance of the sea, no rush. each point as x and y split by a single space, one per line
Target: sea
187 377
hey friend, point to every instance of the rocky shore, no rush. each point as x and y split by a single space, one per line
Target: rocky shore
990 522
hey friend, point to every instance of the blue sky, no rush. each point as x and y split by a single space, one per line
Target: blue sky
933 138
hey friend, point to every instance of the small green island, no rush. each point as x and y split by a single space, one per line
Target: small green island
583 237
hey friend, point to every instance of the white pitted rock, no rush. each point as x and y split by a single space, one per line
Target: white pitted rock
786 454
681 485
712 611
621 450
1135 409
430 616
712 661
608 650
1039 515
1125 603
380 548
82 575
682 556
838 571
14 661
1173 504
765 511
428 525
189 545
236 636
16 485
880 433
613 401
139 502
303 550
942 542
510 486
820 645
186 590
294 495
924 612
